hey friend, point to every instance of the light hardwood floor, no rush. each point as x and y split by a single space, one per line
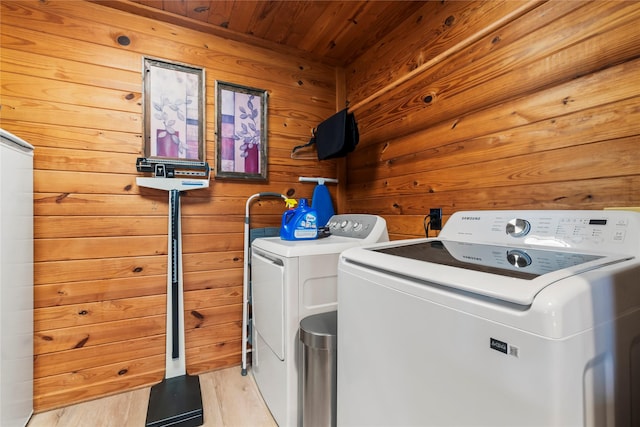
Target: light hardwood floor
228 399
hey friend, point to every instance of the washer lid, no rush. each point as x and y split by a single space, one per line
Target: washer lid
510 274
297 248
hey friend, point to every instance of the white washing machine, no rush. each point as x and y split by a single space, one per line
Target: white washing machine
508 318
290 281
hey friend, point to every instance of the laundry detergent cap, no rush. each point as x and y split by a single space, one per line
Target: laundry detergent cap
300 223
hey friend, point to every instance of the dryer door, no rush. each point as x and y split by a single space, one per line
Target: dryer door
267 283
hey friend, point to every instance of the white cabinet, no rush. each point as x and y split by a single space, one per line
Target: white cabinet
16 280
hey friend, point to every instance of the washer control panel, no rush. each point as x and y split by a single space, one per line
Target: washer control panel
612 231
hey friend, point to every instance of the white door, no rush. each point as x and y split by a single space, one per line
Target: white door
267 283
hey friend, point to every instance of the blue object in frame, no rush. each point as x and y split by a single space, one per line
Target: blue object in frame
300 223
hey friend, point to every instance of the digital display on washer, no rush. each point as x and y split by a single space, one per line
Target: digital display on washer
519 263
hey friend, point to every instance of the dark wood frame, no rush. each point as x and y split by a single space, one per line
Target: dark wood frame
241 132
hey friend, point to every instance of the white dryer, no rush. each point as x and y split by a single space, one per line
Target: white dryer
508 318
290 281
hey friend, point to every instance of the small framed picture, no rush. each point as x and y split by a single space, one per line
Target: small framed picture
241 132
173 111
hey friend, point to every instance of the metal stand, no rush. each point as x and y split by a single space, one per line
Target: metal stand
247 274
177 400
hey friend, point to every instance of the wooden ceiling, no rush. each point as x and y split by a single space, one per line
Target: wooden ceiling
335 32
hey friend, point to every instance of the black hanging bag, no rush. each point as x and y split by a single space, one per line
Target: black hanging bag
335 137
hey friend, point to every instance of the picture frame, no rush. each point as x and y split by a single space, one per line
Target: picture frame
173 111
241 132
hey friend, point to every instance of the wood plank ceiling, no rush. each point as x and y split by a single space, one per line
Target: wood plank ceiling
335 32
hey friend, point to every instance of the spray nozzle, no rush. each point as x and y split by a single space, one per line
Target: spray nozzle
291 203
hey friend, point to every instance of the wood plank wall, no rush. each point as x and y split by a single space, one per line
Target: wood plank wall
72 91
498 105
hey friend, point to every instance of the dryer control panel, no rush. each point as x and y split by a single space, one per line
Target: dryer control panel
359 226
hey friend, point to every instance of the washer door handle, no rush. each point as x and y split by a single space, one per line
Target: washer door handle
267 258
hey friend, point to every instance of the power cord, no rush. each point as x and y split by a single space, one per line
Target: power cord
434 223
426 224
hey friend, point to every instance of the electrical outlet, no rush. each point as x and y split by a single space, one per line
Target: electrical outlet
435 218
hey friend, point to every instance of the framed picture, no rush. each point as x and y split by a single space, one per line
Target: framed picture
241 132
173 111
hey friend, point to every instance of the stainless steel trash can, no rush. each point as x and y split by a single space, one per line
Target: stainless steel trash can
318 334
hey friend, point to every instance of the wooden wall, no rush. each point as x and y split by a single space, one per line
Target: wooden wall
72 91
498 105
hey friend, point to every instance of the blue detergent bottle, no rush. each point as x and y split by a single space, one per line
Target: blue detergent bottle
300 223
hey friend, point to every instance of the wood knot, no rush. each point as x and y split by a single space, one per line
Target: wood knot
82 342
123 371
123 40
137 269
197 314
449 21
83 312
61 197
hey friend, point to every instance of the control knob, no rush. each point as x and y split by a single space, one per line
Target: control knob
518 259
518 227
